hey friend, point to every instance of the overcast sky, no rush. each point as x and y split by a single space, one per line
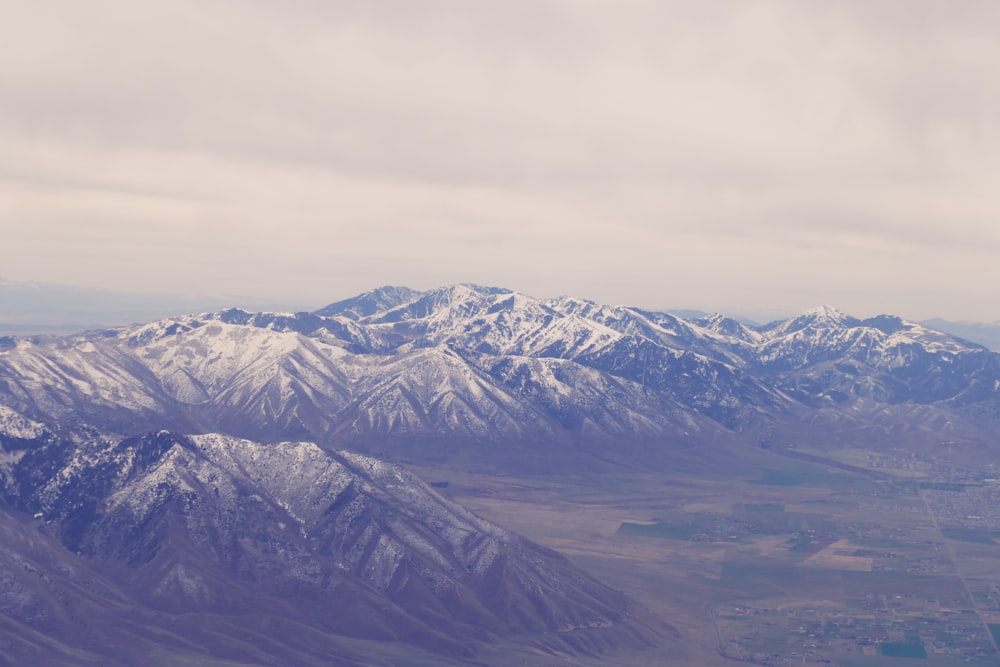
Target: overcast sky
719 155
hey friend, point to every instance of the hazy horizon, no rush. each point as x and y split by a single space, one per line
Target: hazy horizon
729 156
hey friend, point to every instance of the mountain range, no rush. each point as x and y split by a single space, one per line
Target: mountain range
466 363
216 486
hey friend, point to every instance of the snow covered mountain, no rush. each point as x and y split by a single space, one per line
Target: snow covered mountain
112 523
336 543
488 364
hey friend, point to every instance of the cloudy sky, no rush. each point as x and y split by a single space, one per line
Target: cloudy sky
719 155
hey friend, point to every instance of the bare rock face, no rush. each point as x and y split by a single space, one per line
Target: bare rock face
341 542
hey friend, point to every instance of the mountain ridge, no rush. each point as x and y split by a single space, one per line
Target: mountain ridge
487 363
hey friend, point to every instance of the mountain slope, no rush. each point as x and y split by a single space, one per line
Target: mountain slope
216 524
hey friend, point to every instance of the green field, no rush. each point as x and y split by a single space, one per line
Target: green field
977 535
902 650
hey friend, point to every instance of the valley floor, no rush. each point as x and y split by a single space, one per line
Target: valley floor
797 563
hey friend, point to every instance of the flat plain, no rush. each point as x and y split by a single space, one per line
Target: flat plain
786 562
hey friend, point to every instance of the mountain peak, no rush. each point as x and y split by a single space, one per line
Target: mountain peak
825 313
727 326
444 302
820 317
368 303
462 291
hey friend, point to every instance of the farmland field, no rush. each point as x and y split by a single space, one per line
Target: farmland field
799 564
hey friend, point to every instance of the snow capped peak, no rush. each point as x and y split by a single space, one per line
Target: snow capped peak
931 339
825 313
444 304
899 329
147 333
569 305
818 318
728 327
462 292
369 303
235 316
719 322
